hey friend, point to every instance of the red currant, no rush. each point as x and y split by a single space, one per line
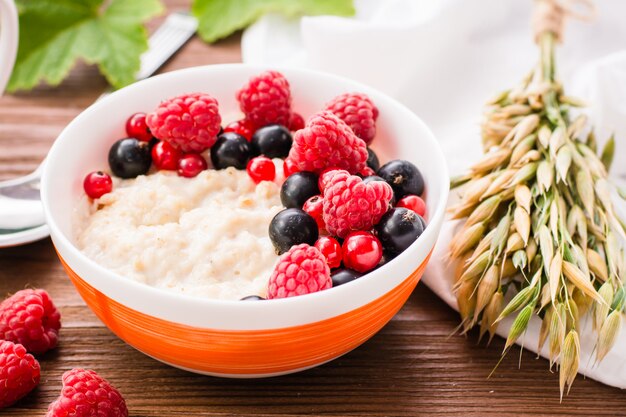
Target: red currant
261 168
413 202
314 207
97 184
190 165
137 128
289 167
243 127
165 156
331 249
296 122
362 251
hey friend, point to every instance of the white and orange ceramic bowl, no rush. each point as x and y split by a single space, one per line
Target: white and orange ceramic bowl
233 338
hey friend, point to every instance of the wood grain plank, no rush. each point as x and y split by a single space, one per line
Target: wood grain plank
412 367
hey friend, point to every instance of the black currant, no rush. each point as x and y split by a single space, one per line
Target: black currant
290 227
298 188
403 176
252 298
398 229
231 150
129 158
372 160
273 141
343 275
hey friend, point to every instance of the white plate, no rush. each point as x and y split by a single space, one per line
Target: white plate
23 236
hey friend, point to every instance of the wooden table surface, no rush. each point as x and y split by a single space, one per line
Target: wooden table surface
412 367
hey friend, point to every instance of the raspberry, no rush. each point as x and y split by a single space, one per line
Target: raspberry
350 204
327 175
301 270
358 111
327 142
19 373
30 318
266 99
85 393
189 122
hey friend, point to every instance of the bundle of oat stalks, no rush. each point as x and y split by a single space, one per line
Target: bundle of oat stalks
540 224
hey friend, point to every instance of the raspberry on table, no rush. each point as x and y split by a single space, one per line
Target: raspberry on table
327 142
189 122
350 204
30 318
301 270
358 111
85 393
266 99
19 373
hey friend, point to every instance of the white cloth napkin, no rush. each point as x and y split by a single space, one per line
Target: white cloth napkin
444 59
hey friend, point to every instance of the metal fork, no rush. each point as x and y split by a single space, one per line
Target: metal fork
20 205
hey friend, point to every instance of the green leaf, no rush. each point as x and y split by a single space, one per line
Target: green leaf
219 18
54 34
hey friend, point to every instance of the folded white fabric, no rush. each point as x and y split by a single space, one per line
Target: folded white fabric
444 59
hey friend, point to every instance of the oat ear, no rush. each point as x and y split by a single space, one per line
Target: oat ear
540 223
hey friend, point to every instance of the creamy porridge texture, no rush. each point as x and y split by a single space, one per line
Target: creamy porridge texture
205 236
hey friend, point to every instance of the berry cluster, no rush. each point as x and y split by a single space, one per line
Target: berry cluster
340 204
183 131
355 223
29 325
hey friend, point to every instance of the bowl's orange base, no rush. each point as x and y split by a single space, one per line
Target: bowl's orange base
246 353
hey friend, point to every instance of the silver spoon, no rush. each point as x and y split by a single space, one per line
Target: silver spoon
20 204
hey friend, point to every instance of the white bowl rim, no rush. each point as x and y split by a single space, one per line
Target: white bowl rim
435 219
